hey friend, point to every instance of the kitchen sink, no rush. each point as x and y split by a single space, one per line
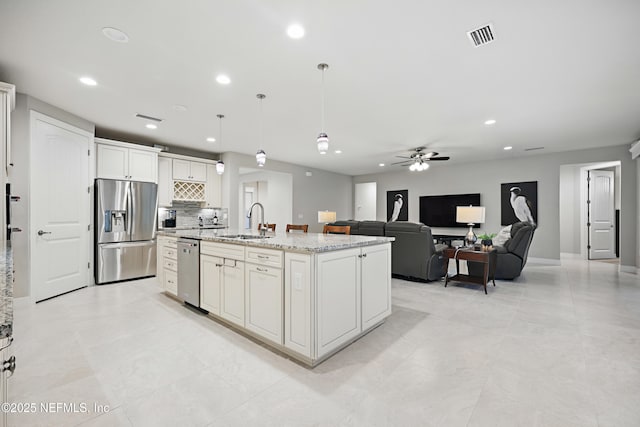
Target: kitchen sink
244 236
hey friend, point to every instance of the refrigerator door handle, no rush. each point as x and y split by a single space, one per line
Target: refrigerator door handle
129 222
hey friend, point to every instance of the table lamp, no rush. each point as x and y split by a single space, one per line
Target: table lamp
471 215
325 217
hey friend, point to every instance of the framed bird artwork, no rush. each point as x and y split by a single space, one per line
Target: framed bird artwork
519 202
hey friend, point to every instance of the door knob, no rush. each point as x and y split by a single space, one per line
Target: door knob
40 232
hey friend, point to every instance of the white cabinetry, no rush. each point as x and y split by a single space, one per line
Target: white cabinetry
7 366
185 170
230 280
332 298
338 290
210 283
213 190
7 104
165 182
298 303
264 293
120 160
376 284
167 263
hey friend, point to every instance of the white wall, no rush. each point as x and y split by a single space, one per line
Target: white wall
19 178
365 201
321 191
275 192
485 178
570 209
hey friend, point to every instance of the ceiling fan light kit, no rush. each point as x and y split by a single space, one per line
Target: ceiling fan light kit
418 160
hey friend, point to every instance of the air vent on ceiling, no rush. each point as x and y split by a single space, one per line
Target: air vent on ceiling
534 149
142 116
482 36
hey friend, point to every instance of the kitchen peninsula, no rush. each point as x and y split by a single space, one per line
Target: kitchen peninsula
307 295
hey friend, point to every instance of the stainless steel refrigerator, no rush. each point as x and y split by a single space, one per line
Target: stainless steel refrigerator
126 215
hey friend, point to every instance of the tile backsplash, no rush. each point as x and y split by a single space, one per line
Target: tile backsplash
188 216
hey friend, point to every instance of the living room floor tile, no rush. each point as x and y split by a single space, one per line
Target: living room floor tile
560 345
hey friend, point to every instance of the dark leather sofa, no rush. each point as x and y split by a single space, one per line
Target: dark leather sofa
413 253
512 257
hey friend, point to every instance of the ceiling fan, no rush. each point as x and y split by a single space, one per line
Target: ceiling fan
417 160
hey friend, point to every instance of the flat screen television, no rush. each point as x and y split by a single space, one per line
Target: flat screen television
440 211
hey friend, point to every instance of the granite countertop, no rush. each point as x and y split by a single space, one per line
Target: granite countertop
6 291
191 227
297 242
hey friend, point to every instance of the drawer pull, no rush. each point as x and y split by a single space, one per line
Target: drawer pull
263 257
264 270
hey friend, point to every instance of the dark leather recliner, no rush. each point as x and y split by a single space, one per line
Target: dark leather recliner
371 228
512 257
413 253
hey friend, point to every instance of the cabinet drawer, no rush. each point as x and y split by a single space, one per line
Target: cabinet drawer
171 282
270 257
170 264
171 243
222 250
171 253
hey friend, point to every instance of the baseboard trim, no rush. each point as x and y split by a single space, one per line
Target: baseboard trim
628 269
543 261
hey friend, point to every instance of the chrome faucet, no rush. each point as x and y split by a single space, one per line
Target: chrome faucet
263 229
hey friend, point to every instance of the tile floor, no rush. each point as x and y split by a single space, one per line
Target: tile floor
558 347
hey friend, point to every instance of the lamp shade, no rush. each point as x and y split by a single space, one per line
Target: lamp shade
470 214
325 217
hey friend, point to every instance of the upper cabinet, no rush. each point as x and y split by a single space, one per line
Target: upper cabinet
185 170
188 179
213 190
120 160
165 183
7 104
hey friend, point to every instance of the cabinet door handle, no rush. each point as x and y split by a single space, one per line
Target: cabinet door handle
218 265
364 255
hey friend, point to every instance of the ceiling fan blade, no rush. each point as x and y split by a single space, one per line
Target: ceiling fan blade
437 158
403 157
404 161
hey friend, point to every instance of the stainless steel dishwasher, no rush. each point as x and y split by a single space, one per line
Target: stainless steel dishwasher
189 271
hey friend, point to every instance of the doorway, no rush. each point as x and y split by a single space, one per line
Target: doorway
589 200
274 190
60 207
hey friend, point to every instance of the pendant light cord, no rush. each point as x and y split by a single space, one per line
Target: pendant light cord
322 115
261 124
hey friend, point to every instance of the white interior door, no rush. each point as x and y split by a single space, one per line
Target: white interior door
59 207
601 215
365 200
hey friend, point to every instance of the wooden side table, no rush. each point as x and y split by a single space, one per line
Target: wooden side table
486 258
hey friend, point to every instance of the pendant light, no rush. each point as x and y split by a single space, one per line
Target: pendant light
261 156
323 139
220 164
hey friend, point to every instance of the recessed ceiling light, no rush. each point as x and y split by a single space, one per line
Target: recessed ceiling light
115 34
508 147
151 126
223 79
179 107
381 164
211 139
88 81
338 151
295 31
490 122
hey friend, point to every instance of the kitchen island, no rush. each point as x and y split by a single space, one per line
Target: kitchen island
307 295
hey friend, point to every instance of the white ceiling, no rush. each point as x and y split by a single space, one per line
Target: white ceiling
561 74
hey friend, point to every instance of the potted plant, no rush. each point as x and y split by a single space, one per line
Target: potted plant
485 239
